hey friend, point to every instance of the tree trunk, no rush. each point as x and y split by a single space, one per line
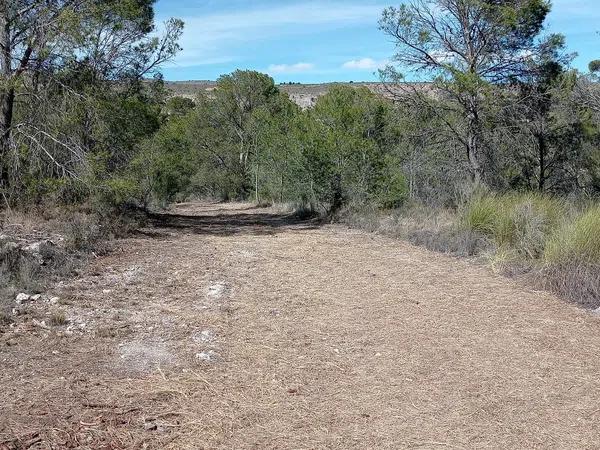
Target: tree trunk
473 143
281 188
7 93
473 155
256 186
7 101
542 149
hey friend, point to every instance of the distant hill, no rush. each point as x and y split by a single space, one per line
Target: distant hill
305 95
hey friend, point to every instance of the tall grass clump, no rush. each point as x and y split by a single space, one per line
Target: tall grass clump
577 242
572 260
521 223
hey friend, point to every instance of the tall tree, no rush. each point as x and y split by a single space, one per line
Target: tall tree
107 40
467 47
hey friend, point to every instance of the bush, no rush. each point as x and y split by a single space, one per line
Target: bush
82 233
393 190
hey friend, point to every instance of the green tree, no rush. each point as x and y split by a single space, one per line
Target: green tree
223 135
351 124
467 47
72 49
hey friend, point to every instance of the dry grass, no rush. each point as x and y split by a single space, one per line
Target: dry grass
537 239
575 282
58 319
324 338
435 229
64 240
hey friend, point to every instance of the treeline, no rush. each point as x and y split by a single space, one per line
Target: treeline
81 123
248 140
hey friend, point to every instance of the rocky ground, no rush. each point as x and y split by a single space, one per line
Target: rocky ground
228 326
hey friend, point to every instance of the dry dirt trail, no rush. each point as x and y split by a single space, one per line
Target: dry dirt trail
225 326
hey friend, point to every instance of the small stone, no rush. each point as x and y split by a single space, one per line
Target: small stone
22 298
208 356
36 297
204 337
40 324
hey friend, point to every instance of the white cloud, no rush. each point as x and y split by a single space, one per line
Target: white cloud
365 64
290 68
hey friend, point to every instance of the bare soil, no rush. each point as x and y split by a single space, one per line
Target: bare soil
228 326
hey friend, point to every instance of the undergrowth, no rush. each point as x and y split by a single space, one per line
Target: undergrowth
40 246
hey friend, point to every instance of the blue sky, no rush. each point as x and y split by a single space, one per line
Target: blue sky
312 41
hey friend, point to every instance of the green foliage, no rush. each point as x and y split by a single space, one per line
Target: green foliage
179 106
352 126
481 215
392 187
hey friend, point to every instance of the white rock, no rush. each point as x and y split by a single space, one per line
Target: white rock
207 356
35 298
37 246
204 337
215 291
40 324
22 298
33 248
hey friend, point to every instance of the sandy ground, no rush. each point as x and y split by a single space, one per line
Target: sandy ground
226 326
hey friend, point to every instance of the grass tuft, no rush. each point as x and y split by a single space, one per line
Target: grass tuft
576 242
521 222
58 319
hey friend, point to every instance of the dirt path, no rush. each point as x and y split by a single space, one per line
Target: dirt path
233 327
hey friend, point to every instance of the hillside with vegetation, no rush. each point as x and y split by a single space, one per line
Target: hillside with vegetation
304 95
200 264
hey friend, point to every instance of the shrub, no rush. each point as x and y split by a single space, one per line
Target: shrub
393 191
82 233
